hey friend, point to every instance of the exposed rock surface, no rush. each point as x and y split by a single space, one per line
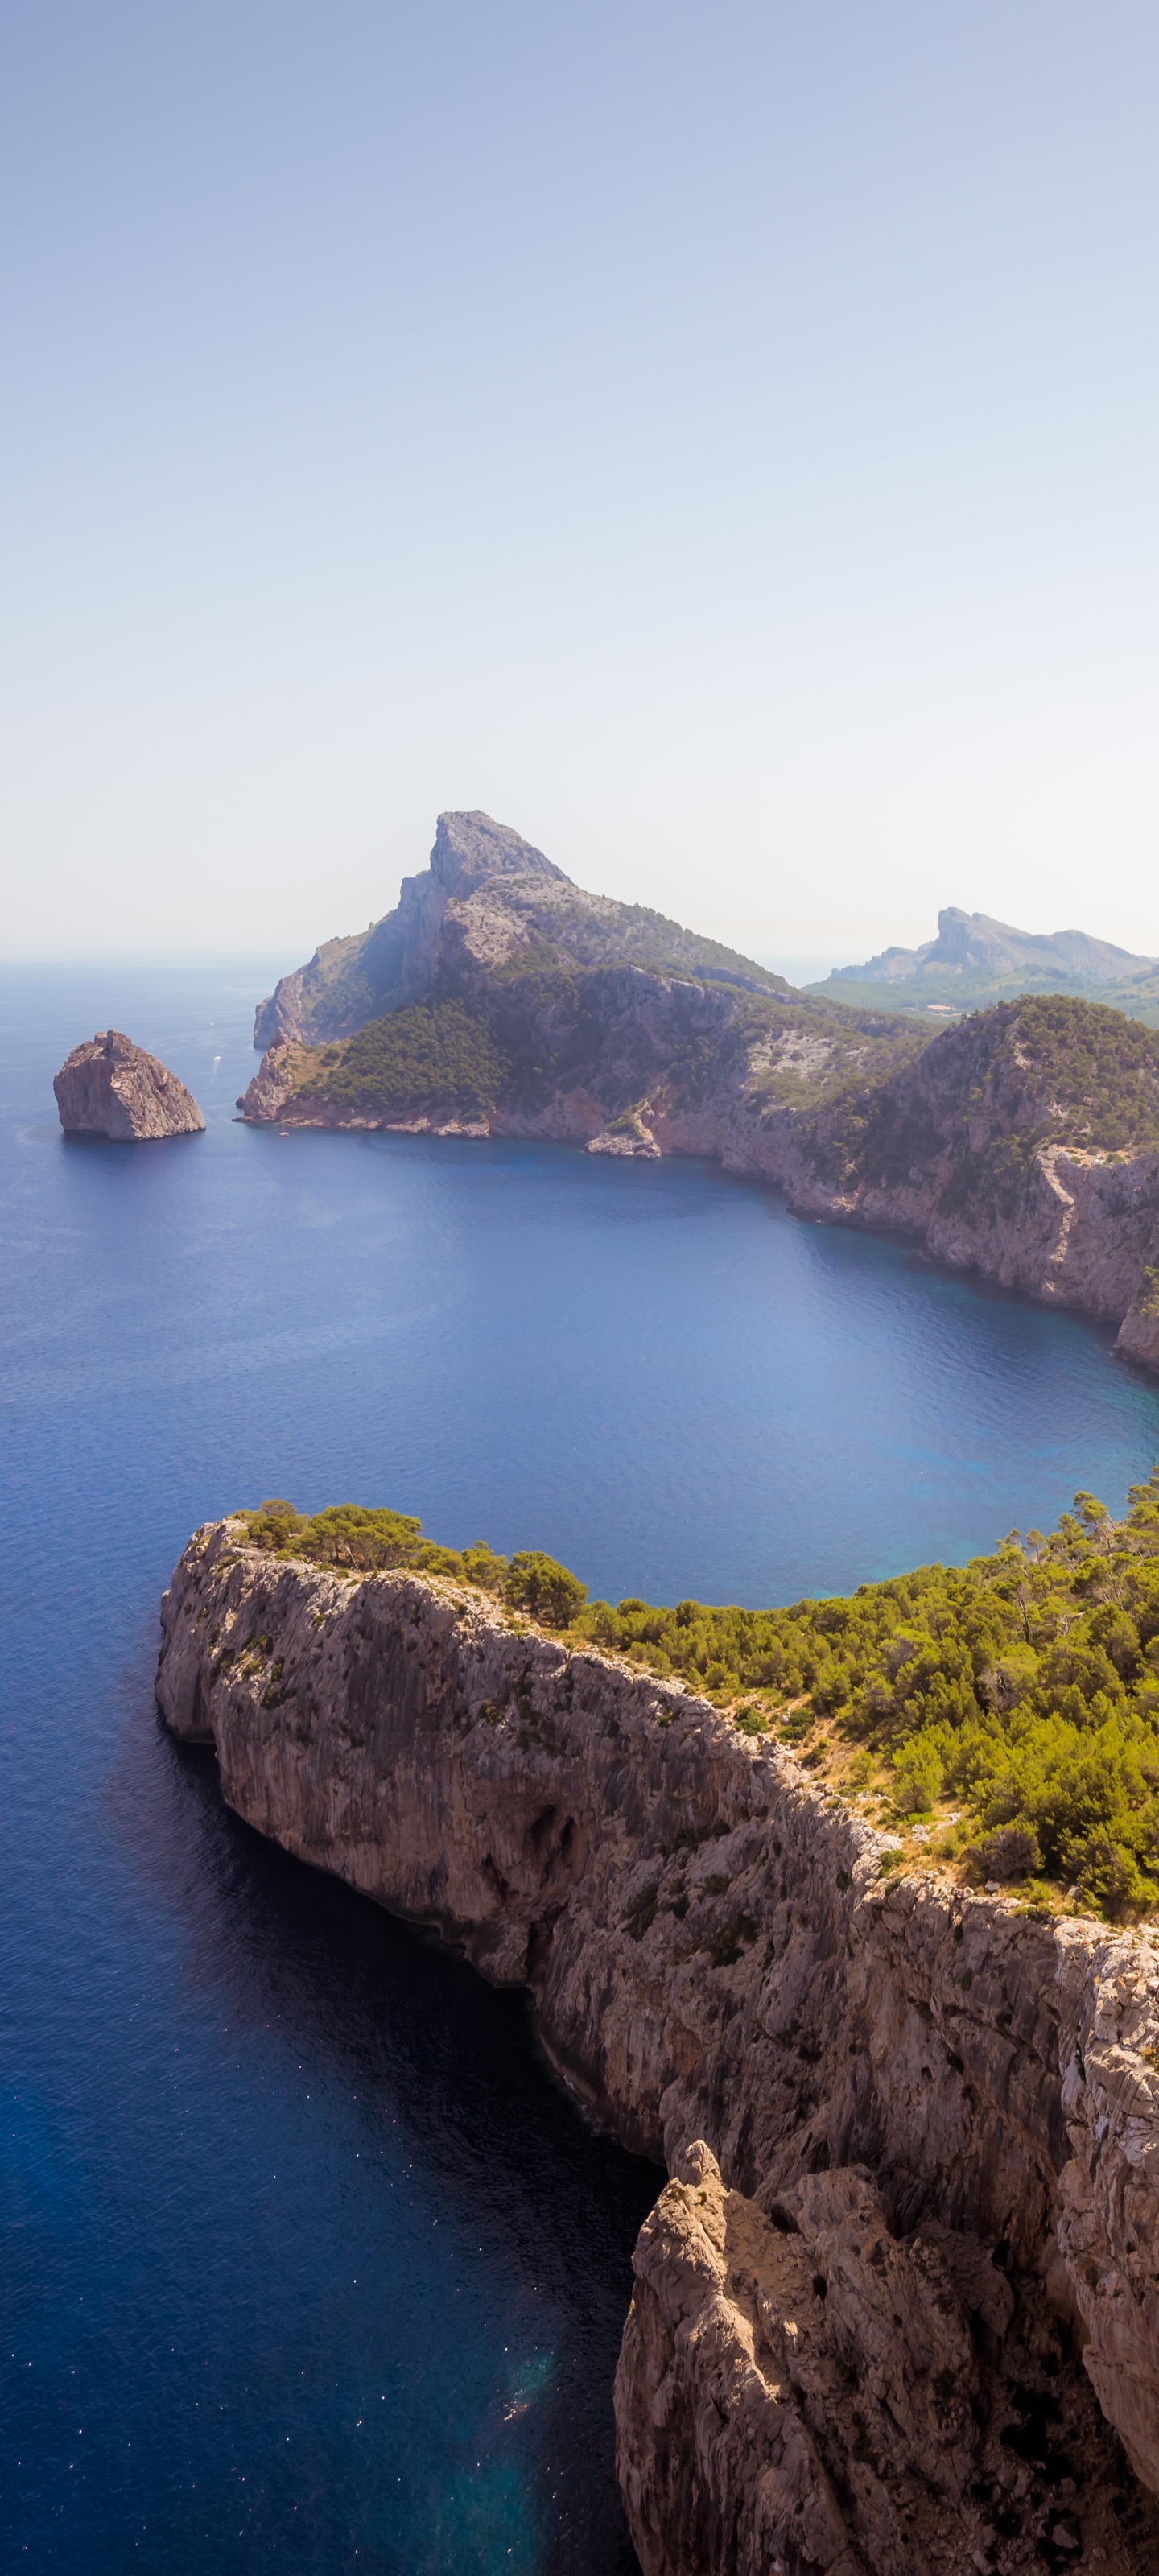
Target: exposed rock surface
814 2391
940 2107
488 900
109 1087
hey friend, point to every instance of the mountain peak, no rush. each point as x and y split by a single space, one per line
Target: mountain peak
972 948
471 847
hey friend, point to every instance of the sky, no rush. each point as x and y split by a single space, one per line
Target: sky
718 441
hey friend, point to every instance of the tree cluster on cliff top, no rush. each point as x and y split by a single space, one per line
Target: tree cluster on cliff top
1023 1687
356 1539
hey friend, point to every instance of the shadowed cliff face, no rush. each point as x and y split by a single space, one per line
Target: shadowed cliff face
896 2081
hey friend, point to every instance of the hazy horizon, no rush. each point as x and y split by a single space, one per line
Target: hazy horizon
718 444
279 956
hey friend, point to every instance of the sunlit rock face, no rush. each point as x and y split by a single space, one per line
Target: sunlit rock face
109 1087
937 2106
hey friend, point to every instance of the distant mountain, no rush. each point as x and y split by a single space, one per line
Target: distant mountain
492 904
975 961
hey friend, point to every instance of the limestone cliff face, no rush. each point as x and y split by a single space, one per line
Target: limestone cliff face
109 1087
349 981
812 2390
893 2078
488 901
1082 1230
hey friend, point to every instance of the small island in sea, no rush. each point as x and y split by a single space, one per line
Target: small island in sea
109 1087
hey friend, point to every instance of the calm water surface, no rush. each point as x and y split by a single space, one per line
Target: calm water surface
307 2265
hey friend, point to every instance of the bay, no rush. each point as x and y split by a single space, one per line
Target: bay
308 2265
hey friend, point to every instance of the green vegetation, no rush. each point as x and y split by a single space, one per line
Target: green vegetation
1011 1706
1023 1688
970 1115
1086 1073
354 1539
935 1000
437 1053
540 1026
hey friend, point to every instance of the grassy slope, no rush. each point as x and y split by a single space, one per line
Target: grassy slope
1003 1716
441 1054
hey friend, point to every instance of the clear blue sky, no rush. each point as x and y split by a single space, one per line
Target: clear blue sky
719 441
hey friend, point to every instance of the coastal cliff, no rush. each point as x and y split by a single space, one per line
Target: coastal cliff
1056 1196
499 999
912 2132
109 1087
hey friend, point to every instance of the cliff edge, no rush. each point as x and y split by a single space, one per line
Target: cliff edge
109 1087
912 2133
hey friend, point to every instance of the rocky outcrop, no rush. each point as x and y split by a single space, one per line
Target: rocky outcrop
349 981
936 2115
813 2391
1023 1144
487 901
109 1087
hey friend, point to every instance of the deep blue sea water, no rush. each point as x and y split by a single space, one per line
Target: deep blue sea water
307 2264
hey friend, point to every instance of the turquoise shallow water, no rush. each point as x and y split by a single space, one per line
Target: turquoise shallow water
308 2266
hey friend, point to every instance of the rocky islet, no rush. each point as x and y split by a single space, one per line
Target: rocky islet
109 1087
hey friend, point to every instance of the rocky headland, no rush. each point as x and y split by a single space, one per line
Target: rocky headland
897 2308
109 1087
500 999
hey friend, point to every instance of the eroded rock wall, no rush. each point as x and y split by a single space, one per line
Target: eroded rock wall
109 1087
716 1956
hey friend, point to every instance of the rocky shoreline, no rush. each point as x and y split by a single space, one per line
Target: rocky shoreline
1084 1234
912 2133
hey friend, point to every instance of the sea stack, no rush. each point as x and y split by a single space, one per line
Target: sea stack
109 1087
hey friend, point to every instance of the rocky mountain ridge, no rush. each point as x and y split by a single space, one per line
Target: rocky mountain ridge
912 2134
488 903
975 961
1022 1142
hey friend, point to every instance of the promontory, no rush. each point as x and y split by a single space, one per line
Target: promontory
500 999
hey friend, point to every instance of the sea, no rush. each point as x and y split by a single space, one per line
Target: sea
309 2266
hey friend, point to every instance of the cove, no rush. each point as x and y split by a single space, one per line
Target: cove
309 2265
